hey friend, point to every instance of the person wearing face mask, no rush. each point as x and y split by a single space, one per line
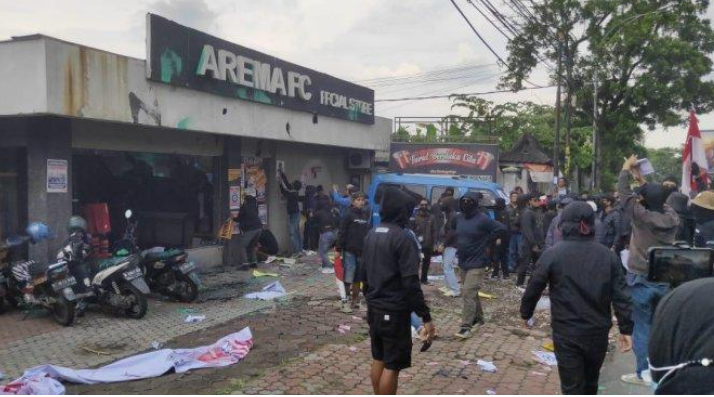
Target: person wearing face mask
425 228
474 232
390 277
585 282
654 224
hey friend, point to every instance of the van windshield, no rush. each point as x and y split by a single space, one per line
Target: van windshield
489 199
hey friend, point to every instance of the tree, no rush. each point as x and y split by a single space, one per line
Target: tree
650 57
666 162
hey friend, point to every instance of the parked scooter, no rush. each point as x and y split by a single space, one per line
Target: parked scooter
28 283
167 272
116 283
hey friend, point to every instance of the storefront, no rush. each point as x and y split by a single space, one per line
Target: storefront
176 138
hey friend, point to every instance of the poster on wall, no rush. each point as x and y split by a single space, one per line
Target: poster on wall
256 178
234 174
57 176
479 161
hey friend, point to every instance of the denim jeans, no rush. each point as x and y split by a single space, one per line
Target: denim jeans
449 264
295 232
513 244
645 297
416 321
326 241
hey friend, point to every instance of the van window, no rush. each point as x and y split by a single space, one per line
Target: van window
416 191
437 191
489 199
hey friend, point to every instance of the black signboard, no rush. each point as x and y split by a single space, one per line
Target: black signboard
186 57
476 160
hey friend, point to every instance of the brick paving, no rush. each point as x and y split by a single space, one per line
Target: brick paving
297 347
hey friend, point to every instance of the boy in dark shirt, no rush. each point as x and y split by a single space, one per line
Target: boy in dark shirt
393 291
354 227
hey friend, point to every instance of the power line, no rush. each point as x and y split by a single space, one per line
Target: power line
477 33
466 93
430 73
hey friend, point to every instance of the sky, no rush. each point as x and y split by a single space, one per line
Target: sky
357 40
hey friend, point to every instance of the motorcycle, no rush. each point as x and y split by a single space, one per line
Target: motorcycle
116 283
167 272
29 283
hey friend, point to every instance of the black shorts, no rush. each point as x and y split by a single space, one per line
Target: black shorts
391 337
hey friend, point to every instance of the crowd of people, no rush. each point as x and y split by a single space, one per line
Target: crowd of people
589 252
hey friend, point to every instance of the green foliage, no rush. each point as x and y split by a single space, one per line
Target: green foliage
667 162
650 57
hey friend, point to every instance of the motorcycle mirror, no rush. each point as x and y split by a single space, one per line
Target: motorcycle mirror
128 214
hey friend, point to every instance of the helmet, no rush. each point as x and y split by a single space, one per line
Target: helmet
76 223
38 232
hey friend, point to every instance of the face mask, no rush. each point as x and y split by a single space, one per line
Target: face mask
468 207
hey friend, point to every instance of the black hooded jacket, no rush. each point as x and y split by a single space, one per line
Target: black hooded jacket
585 280
391 260
474 234
683 330
354 227
679 202
248 217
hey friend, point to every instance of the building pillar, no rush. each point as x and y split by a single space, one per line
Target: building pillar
231 158
48 138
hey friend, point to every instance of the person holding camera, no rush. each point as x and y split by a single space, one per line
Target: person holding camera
585 281
654 224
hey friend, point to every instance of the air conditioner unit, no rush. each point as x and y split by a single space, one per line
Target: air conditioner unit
359 160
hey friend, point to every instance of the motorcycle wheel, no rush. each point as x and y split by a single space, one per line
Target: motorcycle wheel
63 311
141 305
189 291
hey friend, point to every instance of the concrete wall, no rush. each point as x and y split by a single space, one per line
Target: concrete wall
89 83
23 77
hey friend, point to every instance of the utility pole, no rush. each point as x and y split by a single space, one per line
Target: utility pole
596 141
568 105
556 141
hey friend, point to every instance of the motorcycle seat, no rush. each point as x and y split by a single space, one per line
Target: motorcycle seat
166 255
102 264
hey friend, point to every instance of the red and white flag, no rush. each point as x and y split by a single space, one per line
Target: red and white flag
693 158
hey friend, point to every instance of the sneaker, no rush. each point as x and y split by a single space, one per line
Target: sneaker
449 293
328 270
463 334
633 379
346 307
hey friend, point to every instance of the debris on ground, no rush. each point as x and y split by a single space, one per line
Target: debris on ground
491 392
353 349
343 329
97 352
194 318
269 292
486 366
485 295
546 358
258 273
156 345
548 346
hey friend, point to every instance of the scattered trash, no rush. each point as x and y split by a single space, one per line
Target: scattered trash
485 295
269 292
486 366
270 259
538 373
353 349
530 323
464 362
157 345
491 392
289 261
356 318
435 278
185 310
97 352
258 273
548 346
44 379
343 329
432 363
310 253
546 358
194 318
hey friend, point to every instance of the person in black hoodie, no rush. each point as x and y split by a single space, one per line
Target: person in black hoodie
425 227
393 291
533 238
679 202
292 193
499 252
250 228
475 232
354 227
681 349
585 281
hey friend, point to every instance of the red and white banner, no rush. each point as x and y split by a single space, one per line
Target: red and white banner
45 379
694 160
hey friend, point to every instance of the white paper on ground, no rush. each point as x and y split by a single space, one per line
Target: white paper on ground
486 366
269 292
194 318
546 358
44 378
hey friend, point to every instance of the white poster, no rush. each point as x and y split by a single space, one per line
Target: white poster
57 176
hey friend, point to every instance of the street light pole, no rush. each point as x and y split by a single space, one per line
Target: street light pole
556 141
596 143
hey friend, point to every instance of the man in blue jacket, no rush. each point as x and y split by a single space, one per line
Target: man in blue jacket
475 232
